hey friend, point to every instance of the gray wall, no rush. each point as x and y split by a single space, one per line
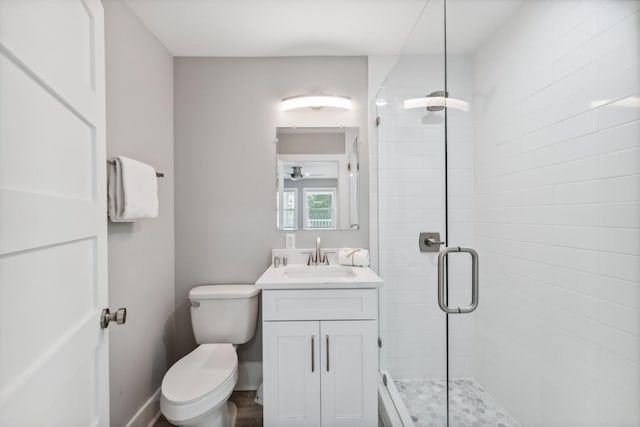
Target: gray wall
226 114
310 143
139 82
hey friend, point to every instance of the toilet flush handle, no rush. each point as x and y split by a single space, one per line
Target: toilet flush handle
120 317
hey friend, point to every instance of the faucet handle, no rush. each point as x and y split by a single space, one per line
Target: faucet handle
310 259
325 257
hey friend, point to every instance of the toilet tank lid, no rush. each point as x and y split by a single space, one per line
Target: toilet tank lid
223 291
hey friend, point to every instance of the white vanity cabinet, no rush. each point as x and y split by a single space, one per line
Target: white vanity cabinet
320 357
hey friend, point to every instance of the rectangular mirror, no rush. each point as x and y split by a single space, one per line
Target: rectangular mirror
317 178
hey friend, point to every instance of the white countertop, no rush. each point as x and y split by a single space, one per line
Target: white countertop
297 276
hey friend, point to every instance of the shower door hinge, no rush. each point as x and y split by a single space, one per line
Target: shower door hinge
379 342
384 379
378 121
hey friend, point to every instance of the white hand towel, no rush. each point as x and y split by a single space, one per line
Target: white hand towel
132 190
356 257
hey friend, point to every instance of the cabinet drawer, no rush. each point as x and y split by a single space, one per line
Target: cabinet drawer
329 304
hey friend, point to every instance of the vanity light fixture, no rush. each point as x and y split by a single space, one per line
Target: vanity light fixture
436 101
316 102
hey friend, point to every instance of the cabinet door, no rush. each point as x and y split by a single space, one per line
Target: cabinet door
348 381
291 374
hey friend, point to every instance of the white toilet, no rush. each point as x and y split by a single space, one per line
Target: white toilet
195 390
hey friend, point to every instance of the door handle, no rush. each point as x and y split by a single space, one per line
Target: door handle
474 281
327 338
120 317
313 355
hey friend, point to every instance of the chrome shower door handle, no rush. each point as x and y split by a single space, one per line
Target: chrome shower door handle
474 281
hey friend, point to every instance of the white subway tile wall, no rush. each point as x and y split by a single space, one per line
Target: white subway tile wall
557 213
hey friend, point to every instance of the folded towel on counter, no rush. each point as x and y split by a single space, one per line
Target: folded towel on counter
132 190
356 257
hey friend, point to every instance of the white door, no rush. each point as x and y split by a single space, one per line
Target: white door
349 367
291 374
53 270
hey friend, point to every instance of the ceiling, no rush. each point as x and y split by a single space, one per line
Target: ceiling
316 27
469 24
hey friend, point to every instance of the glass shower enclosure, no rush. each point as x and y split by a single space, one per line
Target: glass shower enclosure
509 131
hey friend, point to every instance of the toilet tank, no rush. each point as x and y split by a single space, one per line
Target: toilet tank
224 313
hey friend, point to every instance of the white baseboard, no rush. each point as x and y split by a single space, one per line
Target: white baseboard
148 414
249 376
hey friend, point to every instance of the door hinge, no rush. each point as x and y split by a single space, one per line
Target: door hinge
379 342
378 121
384 379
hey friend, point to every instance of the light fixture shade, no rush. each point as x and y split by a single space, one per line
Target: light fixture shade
316 101
436 101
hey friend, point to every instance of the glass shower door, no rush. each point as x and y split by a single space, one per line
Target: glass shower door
460 261
411 194
540 138
426 184
540 182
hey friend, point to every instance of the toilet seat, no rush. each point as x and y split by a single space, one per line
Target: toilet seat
199 382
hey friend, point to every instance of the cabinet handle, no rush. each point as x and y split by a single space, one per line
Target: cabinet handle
313 358
327 337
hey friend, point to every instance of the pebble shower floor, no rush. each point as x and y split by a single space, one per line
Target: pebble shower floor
471 405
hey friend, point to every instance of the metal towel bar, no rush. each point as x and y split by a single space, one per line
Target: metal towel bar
158 174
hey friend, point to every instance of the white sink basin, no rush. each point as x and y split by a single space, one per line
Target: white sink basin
318 272
297 276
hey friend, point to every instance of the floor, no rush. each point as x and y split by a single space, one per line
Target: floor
470 405
249 412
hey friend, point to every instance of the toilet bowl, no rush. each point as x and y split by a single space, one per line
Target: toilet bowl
196 389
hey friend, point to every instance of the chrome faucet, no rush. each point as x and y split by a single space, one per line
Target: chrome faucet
318 251
317 258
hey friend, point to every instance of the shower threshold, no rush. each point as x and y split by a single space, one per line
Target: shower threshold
470 405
